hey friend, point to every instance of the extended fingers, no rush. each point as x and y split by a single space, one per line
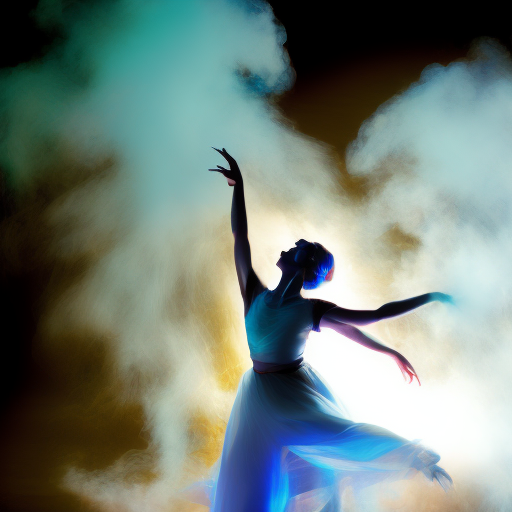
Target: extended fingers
412 373
408 372
412 376
221 169
409 366
223 152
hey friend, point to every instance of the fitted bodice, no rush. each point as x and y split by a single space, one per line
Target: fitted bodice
277 333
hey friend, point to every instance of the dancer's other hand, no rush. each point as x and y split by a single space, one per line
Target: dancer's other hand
233 174
443 297
405 367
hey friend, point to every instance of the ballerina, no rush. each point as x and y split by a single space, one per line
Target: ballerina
289 442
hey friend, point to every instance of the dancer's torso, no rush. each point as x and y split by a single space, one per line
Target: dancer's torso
277 333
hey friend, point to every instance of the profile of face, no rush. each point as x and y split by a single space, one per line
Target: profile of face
288 259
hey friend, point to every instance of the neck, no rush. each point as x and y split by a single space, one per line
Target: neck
290 284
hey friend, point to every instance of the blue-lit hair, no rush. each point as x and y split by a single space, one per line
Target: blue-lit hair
321 270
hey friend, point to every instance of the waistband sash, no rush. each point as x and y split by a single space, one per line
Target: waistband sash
260 367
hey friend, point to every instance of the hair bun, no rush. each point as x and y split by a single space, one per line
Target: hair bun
321 269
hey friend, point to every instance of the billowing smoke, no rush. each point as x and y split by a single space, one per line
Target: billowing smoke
105 147
439 162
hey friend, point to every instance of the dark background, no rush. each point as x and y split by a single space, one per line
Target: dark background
325 34
333 34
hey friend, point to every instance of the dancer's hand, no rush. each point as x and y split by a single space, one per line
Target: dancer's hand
405 367
443 297
233 174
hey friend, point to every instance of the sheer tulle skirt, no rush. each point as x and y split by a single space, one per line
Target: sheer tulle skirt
289 446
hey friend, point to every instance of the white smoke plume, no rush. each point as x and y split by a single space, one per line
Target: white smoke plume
106 147
439 158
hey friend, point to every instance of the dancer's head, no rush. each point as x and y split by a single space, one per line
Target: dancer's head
313 259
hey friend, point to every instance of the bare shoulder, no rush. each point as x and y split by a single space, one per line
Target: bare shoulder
322 305
319 309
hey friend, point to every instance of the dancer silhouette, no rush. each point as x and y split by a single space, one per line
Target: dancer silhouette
289 443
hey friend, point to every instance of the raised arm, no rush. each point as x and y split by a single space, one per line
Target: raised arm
247 278
389 310
353 333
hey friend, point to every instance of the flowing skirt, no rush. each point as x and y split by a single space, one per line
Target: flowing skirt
289 444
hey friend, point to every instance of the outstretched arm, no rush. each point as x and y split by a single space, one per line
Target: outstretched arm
243 261
351 332
389 310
